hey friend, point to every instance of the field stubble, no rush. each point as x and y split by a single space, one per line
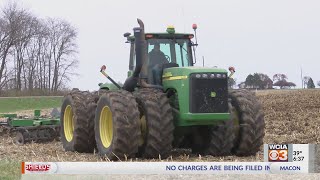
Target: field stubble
291 117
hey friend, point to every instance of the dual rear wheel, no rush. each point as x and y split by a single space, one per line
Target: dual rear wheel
118 124
74 122
156 124
108 122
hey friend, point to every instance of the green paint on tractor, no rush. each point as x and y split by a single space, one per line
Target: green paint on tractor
181 86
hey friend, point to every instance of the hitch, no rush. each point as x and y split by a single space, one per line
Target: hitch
102 70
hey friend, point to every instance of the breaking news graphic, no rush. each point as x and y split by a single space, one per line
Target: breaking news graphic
301 159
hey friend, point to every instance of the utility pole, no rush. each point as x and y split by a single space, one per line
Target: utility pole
301 79
203 61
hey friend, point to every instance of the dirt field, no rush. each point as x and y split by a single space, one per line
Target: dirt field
292 116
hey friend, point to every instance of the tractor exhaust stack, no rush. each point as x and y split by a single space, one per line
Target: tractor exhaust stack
141 61
131 82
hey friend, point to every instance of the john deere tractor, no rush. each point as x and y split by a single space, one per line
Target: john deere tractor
165 103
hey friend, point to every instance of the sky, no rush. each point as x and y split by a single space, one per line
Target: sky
274 36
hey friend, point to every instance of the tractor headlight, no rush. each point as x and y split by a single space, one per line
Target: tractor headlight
211 75
198 75
218 75
224 75
204 75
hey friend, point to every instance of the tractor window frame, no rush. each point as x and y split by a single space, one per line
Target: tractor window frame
174 52
132 58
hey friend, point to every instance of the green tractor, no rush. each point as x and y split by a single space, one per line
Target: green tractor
165 103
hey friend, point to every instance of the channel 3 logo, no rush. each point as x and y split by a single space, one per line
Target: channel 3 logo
278 153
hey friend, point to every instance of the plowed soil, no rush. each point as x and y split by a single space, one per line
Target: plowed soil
291 116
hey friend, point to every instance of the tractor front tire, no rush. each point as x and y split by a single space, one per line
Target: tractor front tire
249 122
74 119
116 125
214 140
156 116
221 138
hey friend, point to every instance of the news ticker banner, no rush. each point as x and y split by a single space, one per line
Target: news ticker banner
280 159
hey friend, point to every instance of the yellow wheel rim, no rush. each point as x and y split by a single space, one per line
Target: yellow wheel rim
106 126
68 123
143 127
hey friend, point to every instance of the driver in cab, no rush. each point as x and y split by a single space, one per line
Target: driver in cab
156 59
156 56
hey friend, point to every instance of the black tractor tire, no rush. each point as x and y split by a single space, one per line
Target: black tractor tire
221 138
91 112
216 140
251 125
78 137
124 113
158 138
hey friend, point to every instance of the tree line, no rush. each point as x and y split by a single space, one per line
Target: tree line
36 54
263 81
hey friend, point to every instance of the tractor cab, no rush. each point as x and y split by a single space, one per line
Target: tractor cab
164 50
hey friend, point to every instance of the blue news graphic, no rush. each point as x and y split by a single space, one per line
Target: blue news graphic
228 167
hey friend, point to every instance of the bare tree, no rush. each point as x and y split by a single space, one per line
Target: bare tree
279 77
63 47
35 53
25 31
6 42
43 55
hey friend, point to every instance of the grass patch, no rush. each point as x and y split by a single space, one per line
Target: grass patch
28 103
10 169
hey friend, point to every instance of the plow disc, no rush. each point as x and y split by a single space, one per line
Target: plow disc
36 134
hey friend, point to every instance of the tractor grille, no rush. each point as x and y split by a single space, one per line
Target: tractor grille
208 93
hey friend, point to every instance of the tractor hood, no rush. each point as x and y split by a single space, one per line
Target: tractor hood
176 73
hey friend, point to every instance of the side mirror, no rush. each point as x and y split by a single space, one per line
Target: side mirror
127 34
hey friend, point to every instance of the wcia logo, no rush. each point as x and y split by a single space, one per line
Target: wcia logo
278 153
